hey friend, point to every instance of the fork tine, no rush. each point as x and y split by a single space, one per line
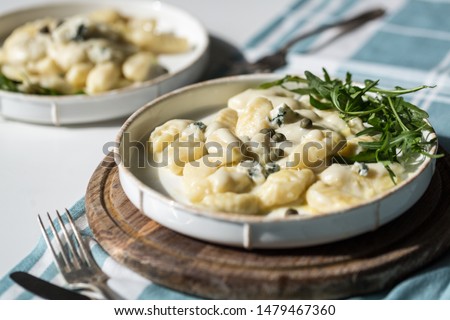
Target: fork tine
49 244
83 248
64 254
72 248
88 274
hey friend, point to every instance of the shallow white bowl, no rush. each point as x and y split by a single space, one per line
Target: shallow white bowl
183 68
238 230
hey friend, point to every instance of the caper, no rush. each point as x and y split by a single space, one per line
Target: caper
363 169
276 154
200 125
268 131
279 152
81 33
278 137
291 212
44 30
306 123
272 167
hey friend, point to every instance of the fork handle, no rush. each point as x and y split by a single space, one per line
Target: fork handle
356 21
102 288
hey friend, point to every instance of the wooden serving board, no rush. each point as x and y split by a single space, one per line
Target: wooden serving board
363 264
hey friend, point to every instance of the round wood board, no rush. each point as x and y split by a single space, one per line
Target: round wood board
363 264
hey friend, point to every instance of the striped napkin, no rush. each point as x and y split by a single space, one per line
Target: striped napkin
410 46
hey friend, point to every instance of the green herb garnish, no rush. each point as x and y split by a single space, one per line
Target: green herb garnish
8 84
397 124
36 89
14 86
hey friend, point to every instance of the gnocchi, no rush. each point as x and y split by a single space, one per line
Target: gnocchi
92 53
268 150
224 147
245 203
284 186
165 134
254 117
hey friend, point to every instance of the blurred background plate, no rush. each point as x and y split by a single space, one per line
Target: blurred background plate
183 68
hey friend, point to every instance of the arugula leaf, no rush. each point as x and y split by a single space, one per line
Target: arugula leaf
398 124
35 89
280 82
14 86
8 84
318 104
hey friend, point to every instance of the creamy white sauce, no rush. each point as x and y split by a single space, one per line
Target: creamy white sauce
309 189
93 52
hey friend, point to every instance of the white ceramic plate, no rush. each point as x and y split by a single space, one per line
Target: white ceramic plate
147 194
183 68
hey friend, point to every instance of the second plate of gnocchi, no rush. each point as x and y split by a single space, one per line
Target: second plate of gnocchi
79 62
251 161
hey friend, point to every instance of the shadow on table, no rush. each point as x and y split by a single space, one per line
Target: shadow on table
444 142
222 55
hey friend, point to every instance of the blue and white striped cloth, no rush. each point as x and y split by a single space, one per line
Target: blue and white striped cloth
410 46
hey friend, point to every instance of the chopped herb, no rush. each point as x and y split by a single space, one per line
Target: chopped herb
81 91
200 125
291 212
272 167
13 86
361 168
255 171
284 115
81 33
278 120
44 30
396 124
36 89
8 84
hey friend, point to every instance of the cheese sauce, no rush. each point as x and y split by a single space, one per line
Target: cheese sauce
278 158
86 53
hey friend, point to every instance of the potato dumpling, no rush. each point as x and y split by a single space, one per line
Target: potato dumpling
106 16
285 186
257 158
254 117
276 95
182 151
142 66
229 180
227 117
224 147
91 52
244 203
195 182
78 74
66 55
44 66
102 77
166 133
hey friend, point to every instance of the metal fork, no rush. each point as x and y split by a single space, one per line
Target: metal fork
74 260
277 59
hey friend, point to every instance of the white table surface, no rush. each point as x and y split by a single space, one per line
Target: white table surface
43 168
